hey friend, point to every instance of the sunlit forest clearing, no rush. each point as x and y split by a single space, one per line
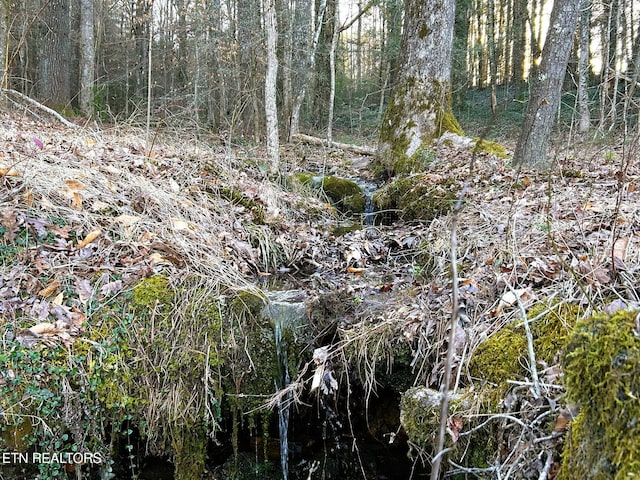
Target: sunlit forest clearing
318 240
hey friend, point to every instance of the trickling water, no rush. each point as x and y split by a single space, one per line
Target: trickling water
368 216
368 210
286 310
284 402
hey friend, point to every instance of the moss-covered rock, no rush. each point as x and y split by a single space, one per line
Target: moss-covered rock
420 413
493 148
602 376
416 197
345 194
503 356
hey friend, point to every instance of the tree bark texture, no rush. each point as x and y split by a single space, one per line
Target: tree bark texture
249 73
531 148
584 122
4 52
306 67
271 76
419 109
87 57
54 82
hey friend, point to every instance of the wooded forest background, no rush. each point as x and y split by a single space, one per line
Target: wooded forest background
202 63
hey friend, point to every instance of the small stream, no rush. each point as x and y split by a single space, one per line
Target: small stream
286 311
368 217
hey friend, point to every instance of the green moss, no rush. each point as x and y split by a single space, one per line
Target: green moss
247 304
447 122
417 198
416 163
494 148
498 359
399 127
420 414
503 356
237 198
601 376
189 444
345 194
151 293
16 433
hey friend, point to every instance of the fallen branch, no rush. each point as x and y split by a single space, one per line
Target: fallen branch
360 150
38 105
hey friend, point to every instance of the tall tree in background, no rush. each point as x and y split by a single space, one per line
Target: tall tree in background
390 48
249 74
518 36
4 50
141 29
87 57
270 94
459 78
584 122
307 60
54 68
547 85
419 109
322 73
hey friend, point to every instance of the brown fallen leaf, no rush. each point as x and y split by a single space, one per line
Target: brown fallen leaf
58 299
454 426
564 418
28 198
9 221
76 202
355 270
44 328
74 185
602 276
49 289
8 172
77 318
91 236
620 252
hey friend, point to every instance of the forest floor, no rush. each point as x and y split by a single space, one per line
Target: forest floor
89 211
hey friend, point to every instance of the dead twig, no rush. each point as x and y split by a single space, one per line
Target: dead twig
530 350
39 106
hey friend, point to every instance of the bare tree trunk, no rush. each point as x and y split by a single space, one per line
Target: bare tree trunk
332 71
285 19
54 81
88 56
545 92
4 45
248 74
141 27
420 106
459 71
322 73
271 76
584 122
294 125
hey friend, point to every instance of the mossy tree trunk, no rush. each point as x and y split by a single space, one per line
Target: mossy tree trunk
547 86
419 109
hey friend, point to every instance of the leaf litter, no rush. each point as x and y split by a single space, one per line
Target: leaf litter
86 214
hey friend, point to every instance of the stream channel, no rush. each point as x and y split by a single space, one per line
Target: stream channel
335 432
340 430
